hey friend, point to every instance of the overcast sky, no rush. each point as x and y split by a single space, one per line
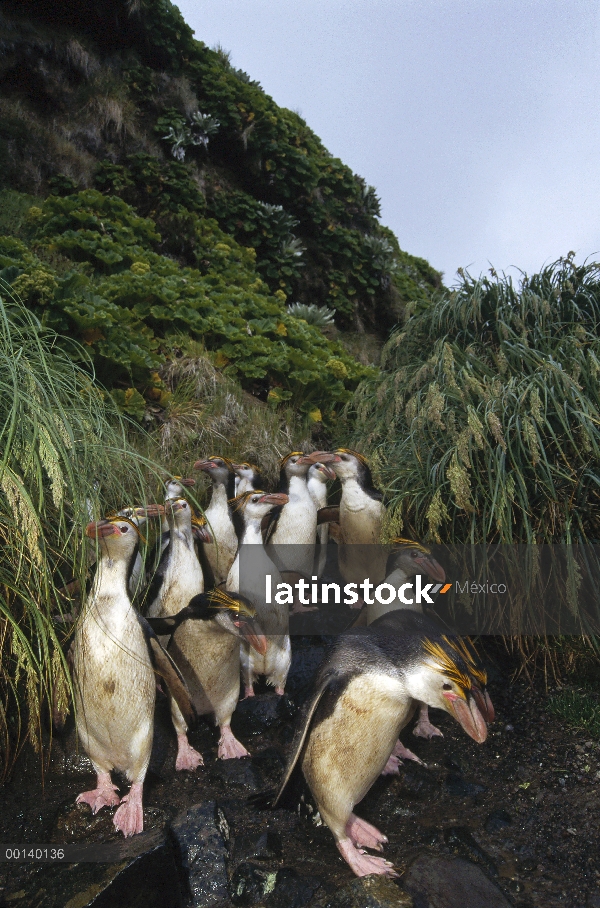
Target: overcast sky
477 121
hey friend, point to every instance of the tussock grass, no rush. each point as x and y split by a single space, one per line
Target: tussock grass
485 420
209 413
579 709
65 460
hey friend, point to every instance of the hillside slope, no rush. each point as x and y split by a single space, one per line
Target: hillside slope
119 98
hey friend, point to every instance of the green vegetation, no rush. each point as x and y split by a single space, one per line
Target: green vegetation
579 709
486 414
61 441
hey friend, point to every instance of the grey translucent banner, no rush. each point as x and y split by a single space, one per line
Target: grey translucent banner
472 589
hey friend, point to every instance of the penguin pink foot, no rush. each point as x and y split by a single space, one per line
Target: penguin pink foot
364 864
364 835
229 746
104 795
424 728
187 756
392 767
404 753
129 818
280 691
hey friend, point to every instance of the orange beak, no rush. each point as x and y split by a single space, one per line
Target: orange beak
101 529
276 498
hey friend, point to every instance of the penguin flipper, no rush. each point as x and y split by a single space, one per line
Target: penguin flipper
269 522
165 667
327 681
328 515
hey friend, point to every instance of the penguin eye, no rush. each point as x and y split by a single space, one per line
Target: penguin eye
447 686
124 529
255 499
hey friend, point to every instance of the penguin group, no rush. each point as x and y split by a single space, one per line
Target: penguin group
184 618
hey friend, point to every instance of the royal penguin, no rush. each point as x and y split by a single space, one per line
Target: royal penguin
407 559
115 659
319 474
366 691
361 514
173 489
208 655
139 515
248 577
292 529
247 478
221 552
177 580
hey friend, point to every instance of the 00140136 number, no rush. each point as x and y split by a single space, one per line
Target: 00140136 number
31 853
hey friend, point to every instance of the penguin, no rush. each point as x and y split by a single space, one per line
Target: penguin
249 510
247 478
361 517
366 691
319 474
221 552
139 516
407 559
177 580
114 663
293 528
208 655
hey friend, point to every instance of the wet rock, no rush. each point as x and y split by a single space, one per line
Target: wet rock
460 840
447 882
250 883
461 787
238 777
68 757
144 876
200 834
265 846
368 892
497 820
75 823
292 890
256 715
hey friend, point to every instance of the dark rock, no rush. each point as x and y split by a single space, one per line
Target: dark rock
250 883
265 846
200 836
238 777
256 715
144 876
418 782
462 788
496 820
447 882
67 757
372 891
292 890
75 823
593 900
460 840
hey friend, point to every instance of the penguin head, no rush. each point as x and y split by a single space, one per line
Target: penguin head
140 514
298 464
200 530
256 505
220 469
447 677
175 485
321 472
413 558
246 471
236 615
117 536
181 512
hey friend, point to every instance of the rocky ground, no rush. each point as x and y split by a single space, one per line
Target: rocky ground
511 822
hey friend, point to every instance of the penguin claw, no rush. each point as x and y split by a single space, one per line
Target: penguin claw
229 746
129 818
105 795
362 863
363 835
424 729
187 756
392 767
404 753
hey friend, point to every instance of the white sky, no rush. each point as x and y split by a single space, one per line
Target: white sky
477 121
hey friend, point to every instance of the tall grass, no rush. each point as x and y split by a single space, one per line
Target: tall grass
485 419
65 459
